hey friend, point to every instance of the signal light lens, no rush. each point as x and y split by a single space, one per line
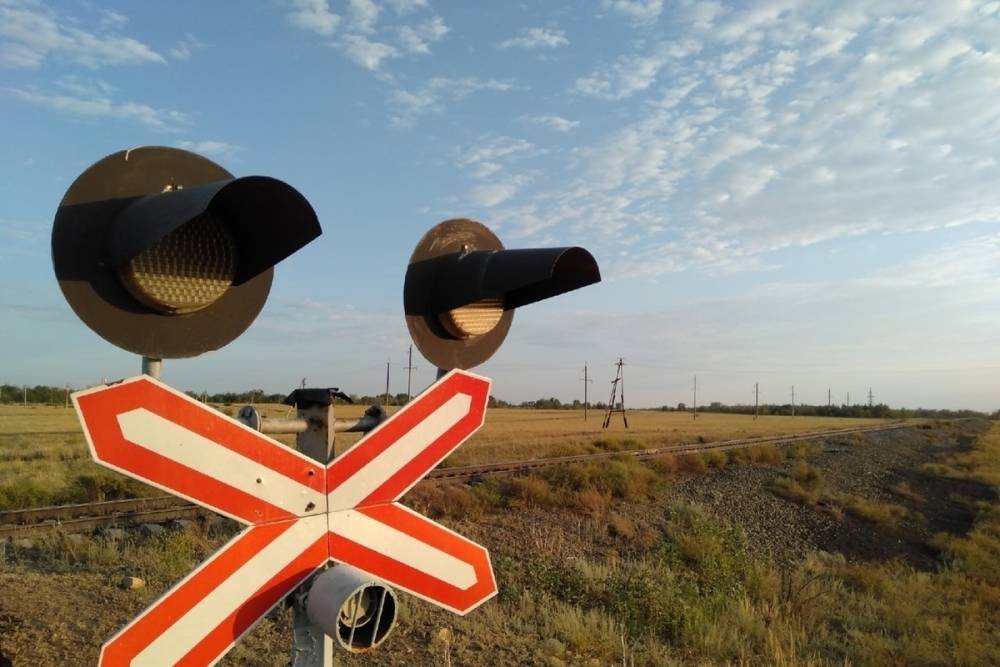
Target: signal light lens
187 270
474 319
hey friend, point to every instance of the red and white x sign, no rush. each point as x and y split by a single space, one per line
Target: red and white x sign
300 514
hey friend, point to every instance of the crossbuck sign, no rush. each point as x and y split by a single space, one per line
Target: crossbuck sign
299 514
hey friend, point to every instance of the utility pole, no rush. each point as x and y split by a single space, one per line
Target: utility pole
694 411
871 398
409 371
756 398
617 386
387 386
848 399
586 381
25 388
67 396
828 395
793 400
303 385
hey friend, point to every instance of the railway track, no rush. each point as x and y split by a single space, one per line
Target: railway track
90 516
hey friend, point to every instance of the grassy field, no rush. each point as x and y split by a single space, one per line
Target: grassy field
44 459
643 577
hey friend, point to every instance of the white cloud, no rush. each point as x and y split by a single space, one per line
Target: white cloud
210 147
407 6
430 97
492 149
492 194
31 33
786 126
96 102
634 73
641 11
973 262
552 121
314 15
418 38
368 54
536 38
364 15
185 47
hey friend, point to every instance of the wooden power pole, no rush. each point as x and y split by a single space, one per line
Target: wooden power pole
694 407
409 371
387 386
586 381
617 387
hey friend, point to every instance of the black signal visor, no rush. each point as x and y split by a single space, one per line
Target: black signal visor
516 277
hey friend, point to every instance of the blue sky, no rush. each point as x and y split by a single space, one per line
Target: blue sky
795 193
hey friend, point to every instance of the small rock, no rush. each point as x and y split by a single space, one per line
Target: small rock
151 529
131 583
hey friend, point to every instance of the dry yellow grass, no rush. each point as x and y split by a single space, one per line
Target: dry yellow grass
512 434
43 456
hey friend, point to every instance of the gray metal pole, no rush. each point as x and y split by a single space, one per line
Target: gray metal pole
310 646
152 367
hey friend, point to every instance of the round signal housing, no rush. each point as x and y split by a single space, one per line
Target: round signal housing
165 254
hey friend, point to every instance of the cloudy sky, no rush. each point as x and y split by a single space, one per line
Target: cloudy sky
783 192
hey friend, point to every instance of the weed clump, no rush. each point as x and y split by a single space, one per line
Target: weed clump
875 512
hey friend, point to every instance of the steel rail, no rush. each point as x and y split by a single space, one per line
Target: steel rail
88 516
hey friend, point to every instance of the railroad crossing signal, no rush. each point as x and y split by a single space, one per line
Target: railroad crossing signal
462 287
165 254
299 514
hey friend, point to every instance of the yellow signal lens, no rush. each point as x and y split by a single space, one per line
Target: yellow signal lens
187 270
474 319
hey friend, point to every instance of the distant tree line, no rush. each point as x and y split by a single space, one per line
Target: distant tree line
11 393
42 394
877 411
